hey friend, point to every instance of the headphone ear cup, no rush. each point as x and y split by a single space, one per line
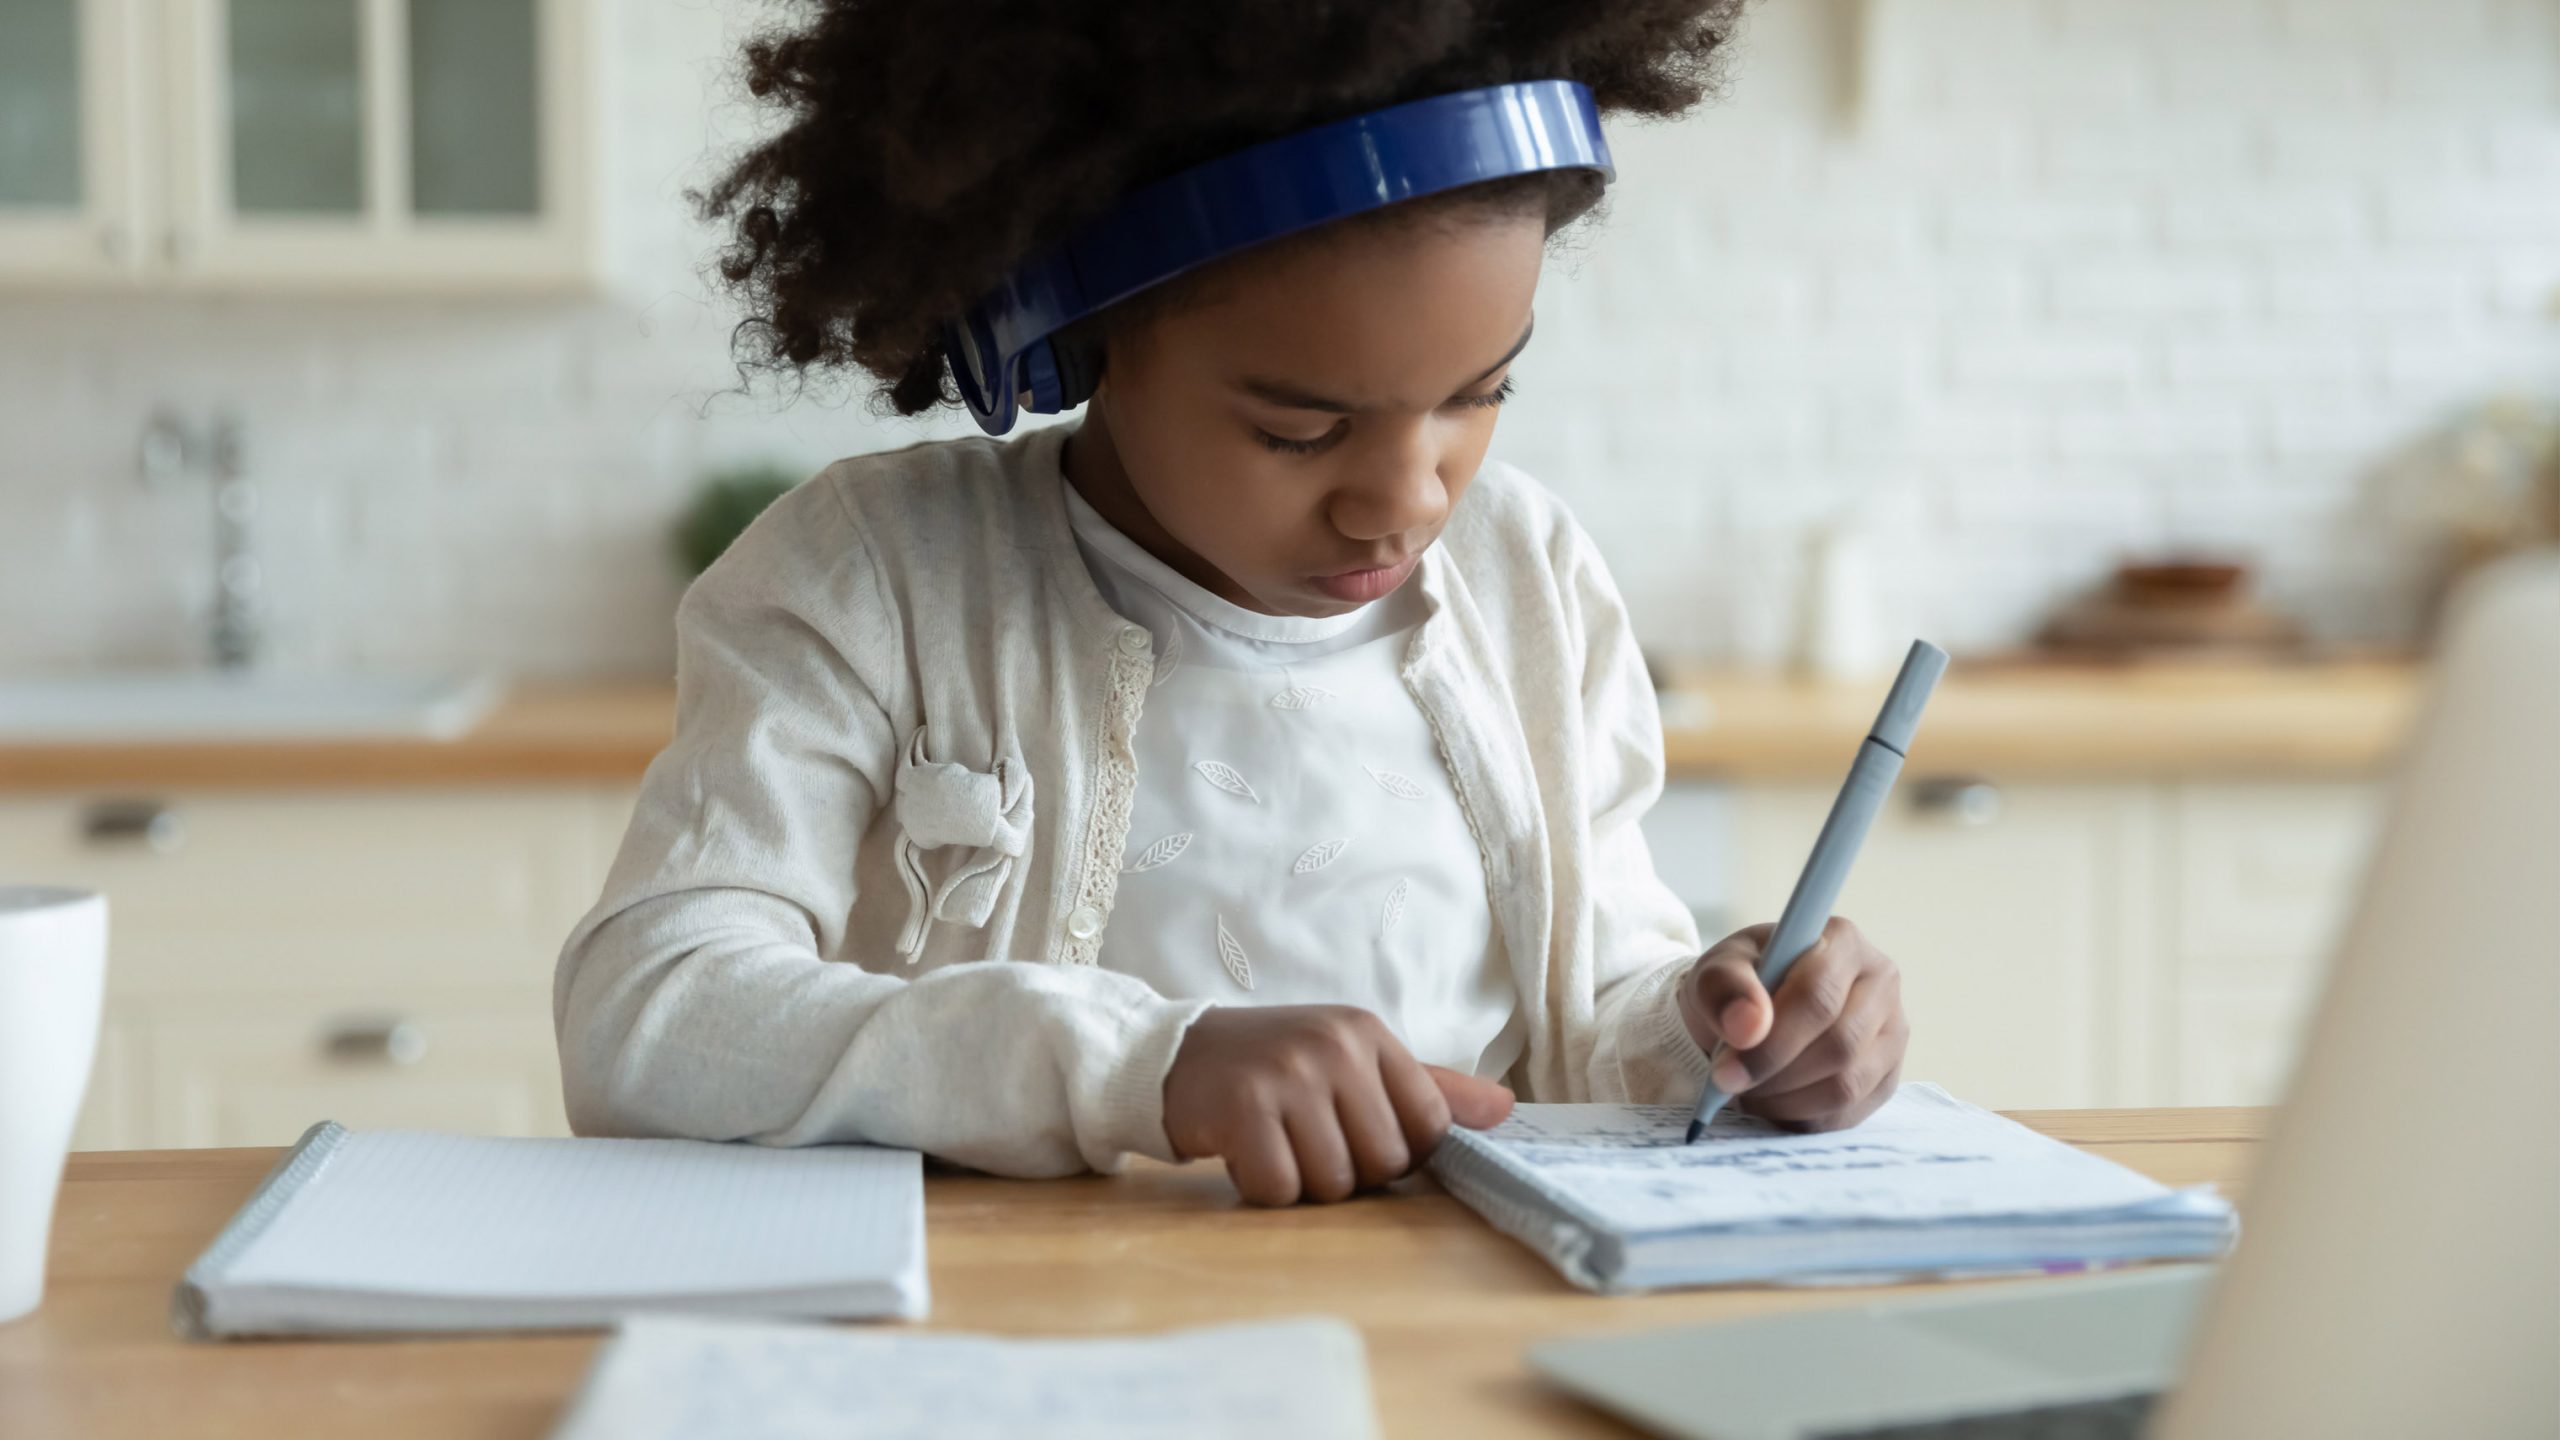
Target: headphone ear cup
970 351
1079 369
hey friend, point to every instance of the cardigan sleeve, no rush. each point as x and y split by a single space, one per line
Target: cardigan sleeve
695 999
1643 937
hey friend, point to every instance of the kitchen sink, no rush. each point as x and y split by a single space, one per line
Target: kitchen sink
180 705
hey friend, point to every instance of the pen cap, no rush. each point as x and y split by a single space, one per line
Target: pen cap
1909 695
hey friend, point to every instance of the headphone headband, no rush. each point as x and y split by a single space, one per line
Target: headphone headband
1001 353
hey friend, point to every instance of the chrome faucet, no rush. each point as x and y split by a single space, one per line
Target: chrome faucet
169 450
239 583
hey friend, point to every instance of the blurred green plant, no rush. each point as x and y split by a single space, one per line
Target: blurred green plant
725 503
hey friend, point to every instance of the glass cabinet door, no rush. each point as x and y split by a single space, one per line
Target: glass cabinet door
70 182
40 106
462 95
474 124
294 80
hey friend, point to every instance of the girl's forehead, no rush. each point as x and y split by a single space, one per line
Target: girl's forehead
1385 304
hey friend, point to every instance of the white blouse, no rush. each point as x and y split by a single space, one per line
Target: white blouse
1295 839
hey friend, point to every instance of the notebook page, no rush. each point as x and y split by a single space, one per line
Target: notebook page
1923 1156
682 1378
428 1214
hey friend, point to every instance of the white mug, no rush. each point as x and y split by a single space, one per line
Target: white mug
53 974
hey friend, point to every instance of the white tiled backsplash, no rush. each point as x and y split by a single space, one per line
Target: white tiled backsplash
2037 283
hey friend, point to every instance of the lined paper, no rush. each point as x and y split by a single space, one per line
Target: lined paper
477 1216
667 1378
1924 1156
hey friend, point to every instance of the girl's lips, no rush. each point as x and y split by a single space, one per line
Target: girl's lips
1362 586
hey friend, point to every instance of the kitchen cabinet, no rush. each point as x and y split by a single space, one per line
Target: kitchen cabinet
2124 943
2260 897
275 958
294 145
2010 917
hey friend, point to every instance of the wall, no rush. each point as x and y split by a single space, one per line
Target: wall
2025 285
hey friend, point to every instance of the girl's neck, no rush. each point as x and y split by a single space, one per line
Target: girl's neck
1092 464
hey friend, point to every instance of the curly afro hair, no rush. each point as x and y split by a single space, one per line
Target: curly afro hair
927 147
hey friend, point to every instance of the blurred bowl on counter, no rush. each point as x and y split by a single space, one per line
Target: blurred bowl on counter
2186 607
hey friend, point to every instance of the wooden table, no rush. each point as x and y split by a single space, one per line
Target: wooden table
1447 1305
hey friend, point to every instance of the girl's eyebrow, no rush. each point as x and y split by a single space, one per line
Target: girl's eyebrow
1508 355
1290 397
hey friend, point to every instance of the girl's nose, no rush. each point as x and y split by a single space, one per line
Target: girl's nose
1393 491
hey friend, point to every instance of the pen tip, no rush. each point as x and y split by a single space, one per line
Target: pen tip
1695 1130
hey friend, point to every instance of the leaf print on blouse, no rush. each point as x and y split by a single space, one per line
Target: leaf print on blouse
1302 697
1231 955
1394 784
1224 776
1167 657
1392 911
1319 855
1162 853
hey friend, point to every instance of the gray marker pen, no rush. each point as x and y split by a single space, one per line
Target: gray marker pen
1871 778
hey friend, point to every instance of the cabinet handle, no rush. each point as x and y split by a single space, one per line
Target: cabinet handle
152 824
1956 800
376 1042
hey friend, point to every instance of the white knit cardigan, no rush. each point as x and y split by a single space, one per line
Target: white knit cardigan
861 896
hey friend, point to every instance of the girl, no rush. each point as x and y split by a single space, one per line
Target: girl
1249 771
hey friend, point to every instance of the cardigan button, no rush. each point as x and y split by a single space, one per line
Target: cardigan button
1135 640
1085 922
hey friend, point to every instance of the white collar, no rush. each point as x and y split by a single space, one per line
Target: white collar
1192 599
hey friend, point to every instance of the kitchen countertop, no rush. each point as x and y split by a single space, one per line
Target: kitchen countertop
2051 721
2334 720
539 734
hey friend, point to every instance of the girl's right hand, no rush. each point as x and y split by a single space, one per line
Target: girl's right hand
1312 1101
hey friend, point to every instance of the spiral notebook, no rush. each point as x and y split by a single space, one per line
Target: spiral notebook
1927 1186
390 1231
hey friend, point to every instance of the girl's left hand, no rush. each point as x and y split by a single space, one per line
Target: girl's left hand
1827 1053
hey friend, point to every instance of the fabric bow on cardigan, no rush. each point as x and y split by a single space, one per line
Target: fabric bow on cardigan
986 814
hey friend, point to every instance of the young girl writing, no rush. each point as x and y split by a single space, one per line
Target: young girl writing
1251 770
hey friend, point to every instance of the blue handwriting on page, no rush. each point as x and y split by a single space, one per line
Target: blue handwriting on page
1923 1157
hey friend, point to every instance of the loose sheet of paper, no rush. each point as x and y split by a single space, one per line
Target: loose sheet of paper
1924 1156
668 1378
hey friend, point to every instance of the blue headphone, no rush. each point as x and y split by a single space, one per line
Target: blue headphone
1003 352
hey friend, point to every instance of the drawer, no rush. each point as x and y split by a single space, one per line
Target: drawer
215 893
2265 876
260 1074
